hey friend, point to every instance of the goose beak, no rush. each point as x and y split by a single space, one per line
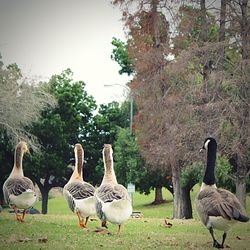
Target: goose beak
201 149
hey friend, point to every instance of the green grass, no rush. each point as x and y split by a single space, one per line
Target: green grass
59 229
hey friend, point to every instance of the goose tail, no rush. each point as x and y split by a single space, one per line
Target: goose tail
239 217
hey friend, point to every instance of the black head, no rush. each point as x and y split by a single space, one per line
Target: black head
208 142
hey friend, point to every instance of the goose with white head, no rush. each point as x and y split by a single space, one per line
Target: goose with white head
217 208
112 199
78 193
18 190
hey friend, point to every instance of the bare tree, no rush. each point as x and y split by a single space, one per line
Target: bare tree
21 101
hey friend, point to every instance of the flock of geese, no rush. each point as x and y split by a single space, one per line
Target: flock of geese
217 208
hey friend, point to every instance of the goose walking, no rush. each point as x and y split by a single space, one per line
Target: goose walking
217 208
78 193
18 190
112 199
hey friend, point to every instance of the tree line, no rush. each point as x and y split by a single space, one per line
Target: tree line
52 116
190 66
190 62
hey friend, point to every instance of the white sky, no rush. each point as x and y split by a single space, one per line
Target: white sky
47 36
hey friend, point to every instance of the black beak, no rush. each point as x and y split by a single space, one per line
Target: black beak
201 149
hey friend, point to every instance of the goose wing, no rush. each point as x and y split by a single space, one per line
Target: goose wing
16 186
109 193
216 202
77 191
80 190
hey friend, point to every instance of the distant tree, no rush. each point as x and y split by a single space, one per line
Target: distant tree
130 167
21 101
58 130
120 55
106 124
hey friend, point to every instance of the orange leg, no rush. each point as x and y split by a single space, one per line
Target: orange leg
17 215
24 212
81 221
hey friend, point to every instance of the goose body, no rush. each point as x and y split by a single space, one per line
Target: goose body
217 208
112 199
78 193
18 190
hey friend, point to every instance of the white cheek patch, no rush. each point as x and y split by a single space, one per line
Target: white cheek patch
206 144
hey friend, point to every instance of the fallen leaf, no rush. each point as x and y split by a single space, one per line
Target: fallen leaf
167 224
24 240
101 231
43 240
238 237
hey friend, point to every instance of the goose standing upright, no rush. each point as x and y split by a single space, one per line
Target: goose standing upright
217 208
78 193
112 199
18 190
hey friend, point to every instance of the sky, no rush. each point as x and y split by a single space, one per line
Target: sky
48 36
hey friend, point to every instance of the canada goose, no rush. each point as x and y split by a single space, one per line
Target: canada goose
112 199
18 190
217 207
78 193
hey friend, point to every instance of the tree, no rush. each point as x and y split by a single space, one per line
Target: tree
120 55
58 130
181 102
21 101
104 130
130 167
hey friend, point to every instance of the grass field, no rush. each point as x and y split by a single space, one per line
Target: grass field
59 230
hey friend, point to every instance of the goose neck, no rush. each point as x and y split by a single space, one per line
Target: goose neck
18 162
209 177
109 173
78 171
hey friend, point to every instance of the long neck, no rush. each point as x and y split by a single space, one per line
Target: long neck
77 174
18 163
209 177
109 173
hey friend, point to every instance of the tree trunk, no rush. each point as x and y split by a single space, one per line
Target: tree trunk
203 21
158 196
241 182
222 33
155 23
182 200
177 213
45 197
245 30
186 203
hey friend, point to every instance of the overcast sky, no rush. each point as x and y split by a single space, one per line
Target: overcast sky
47 36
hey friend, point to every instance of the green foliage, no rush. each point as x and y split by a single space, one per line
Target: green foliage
60 128
190 28
192 173
120 55
105 128
130 166
225 178
223 173
6 159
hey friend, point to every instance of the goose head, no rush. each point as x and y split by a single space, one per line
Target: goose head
107 152
207 143
23 146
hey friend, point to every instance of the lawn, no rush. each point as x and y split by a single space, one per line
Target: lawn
59 229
